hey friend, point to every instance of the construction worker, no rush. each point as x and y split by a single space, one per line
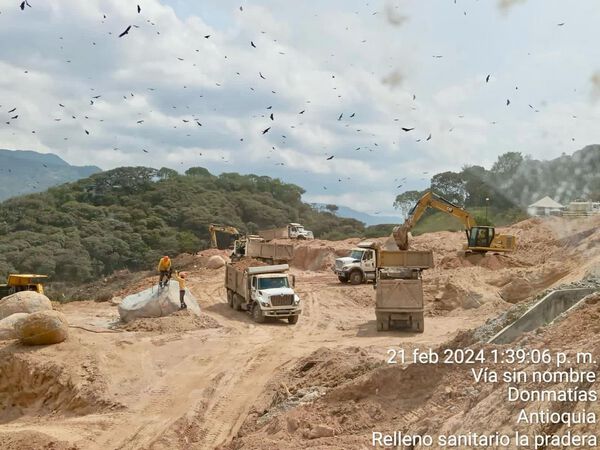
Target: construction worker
180 277
164 268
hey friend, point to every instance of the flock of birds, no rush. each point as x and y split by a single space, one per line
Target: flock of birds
12 114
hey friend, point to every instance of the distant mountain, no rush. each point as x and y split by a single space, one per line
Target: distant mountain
24 172
367 219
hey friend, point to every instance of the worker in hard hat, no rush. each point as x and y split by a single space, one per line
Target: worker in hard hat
164 268
180 277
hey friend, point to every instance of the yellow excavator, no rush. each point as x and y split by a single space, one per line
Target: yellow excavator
480 239
218 243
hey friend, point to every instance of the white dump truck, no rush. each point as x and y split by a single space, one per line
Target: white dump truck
291 231
399 289
263 291
361 263
256 247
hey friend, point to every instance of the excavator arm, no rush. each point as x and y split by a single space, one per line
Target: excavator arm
214 229
430 200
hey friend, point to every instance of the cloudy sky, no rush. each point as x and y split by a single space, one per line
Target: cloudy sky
360 71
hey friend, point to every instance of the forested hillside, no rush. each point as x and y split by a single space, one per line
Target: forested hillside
129 217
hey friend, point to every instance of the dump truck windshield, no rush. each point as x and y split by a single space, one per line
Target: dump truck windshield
356 254
273 283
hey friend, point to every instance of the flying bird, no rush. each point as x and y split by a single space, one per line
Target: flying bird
266 130
87 132
271 116
330 158
561 24
252 44
487 79
407 129
125 32
507 102
261 75
207 36
428 137
139 9
302 112
241 9
352 115
340 118
12 110
14 117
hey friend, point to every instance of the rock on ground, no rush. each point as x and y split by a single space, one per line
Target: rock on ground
42 328
156 302
215 262
24 302
7 326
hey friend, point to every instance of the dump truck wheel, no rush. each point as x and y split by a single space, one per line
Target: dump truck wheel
293 320
385 323
379 325
419 323
356 277
257 314
237 302
342 279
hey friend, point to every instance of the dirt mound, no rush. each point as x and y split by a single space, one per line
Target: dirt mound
215 262
20 440
32 388
454 296
318 255
175 323
529 284
309 379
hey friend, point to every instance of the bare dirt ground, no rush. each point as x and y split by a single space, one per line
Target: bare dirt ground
223 381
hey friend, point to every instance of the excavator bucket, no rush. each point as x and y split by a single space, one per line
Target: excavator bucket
400 237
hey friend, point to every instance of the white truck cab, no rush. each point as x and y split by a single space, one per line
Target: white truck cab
264 291
359 266
297 231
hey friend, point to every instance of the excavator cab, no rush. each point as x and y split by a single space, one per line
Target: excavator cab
480 237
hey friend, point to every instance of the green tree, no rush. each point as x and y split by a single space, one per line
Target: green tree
451 186
404 202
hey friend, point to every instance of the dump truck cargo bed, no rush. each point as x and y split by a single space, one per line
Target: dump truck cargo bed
269 251
406 258
399 302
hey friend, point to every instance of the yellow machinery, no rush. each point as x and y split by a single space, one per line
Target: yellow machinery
480 239
22 282
220 243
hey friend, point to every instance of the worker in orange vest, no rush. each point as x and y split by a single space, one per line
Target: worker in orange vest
164 268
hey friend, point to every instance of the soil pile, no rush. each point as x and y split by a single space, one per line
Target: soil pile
178 322
30 387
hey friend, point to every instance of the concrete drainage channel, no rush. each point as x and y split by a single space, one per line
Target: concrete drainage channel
542 313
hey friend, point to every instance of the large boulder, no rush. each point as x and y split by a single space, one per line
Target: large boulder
42 328
156 302
215 262
24 302
7 326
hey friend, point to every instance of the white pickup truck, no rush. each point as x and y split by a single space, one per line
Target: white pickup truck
264 291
